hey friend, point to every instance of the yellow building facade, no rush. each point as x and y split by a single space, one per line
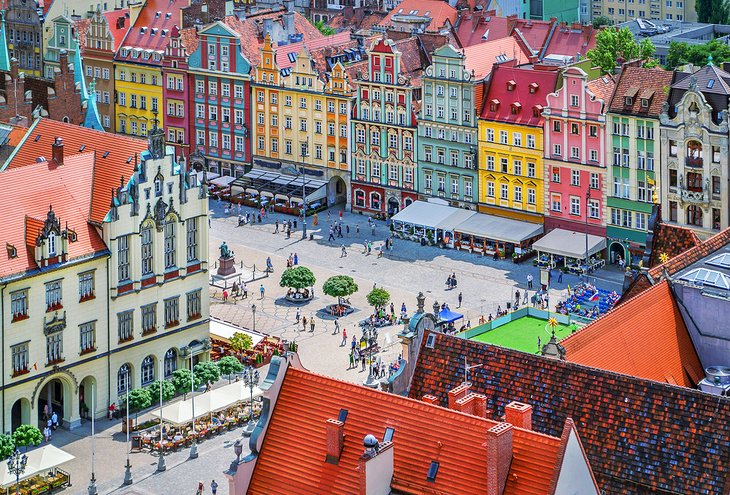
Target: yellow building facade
300 120
139 95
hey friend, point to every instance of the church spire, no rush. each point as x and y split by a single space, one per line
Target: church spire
79 79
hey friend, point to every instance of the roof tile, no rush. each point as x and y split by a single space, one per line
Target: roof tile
653 84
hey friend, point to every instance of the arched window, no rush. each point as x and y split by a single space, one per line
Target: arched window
360 198
375 201
170 261
694 215
148 370
147 240
123 379
170 362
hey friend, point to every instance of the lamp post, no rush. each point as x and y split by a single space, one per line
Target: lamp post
161 461
370 336
588 199
250 379
16 466
92 482
253 309
238 450
128 468
194 443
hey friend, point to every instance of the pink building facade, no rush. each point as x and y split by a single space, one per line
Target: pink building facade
175 96
575 154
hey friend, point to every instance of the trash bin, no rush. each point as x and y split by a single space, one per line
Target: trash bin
311 237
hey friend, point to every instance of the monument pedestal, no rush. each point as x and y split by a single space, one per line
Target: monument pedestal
226 266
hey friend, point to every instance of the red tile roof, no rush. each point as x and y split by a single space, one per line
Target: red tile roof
645 337
602 88
25 196
693 255
361 18
189 39
529 92
641 437
670 241
482 57
107 170
437 10
640 83
283 51
294 447
478 27
147 31
81 27
115 29
571 40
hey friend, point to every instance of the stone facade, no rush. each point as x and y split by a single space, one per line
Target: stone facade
24 31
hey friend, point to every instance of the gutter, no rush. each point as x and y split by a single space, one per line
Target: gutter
108 339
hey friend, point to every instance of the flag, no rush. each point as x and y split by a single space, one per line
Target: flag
35 366
568 289
595 297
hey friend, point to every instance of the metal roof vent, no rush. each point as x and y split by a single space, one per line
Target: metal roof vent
371 444
716 381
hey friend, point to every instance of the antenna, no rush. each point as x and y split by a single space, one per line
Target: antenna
467 368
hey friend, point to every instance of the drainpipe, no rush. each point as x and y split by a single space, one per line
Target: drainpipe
2 347
108 338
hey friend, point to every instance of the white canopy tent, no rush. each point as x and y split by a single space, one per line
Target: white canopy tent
40 461
181 412
224 181
498 228
224 331
569 243
431 215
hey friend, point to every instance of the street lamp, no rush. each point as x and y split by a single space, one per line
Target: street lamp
370 334
187 350
92 483
128 467
253 309
16 466
588 199
250 379
161 461
300 173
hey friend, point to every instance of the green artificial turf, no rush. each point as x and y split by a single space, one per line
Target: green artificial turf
521 334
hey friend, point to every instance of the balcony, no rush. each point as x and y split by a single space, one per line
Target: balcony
694 197
697 162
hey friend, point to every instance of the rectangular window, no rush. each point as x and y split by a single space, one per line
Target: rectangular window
555 203
54 296
490 135
194 305
573 100
172 311
531 141
490 189
54 348
640 220
593 208
146 235
86 286
19 353
504 191
556 175
467 188
87 336
517 166
575 152
517 139
518 194
531 196
123 257
642 191
557 151
149 318
454 185
19 304
594 180
125 322
393 172
191 228
574 205
531 170
575 177
503 137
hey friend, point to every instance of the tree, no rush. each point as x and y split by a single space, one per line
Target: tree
324 29
208 372
600 21
26 435
378 298
7 446
181 381
699 55
240 341
712 11
168 391
139 398
229 365
298 277
613 44
339 286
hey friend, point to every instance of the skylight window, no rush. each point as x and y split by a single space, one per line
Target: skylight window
710 278
433 470
710 83
721 260
388 436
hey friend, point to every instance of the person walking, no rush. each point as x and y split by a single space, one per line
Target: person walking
357 229
353 345
529 280
299 315
311 323
370 247
213 487
352 360
296 259
337 325
344 338
54 420
262 291
200 488
276 227
304 323
225 295
347 229
332 235
343 254
560 276
460 298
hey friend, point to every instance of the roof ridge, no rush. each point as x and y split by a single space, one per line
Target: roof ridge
692 254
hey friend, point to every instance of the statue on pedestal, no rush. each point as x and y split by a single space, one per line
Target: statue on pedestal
227 265
225 252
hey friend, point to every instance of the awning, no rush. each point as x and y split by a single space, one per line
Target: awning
208 175
39 461
286 185
181 412
569 244
432 215
449 316
224 181
498 228
224 331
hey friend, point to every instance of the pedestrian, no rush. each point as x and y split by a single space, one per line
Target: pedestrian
276 225
304 323
47 434
200 488
352 360
362 361
343 254
332 235
560 276
357 229
299 315
311 323
372 229
539 343
529 280
344 338
354 343
213 487
288 230
339 231
244 289
337 325
262 291
296 259
370 247
460 298
340 215
347 229
54 420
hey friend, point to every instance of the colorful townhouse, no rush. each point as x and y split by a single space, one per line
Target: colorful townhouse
694 150
176 90
447 130
574 153
24 30
511 171
138 66
384 133
62 37
632 129
99 43
219 80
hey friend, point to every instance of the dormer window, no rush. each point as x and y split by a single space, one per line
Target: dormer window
511 85
516 107
493 105
533 88
628 101
51 244
644 103
158 186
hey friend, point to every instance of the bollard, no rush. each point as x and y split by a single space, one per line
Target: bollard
241 265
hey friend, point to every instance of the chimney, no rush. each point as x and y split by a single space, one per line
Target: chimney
474 404
457 393
57 151
518 415
430 399
376 468
499 457
63 61
335 440
289 23
268 27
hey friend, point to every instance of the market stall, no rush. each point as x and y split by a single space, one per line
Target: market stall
223 331
568 248
42 474
429 221
259 188
489 235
